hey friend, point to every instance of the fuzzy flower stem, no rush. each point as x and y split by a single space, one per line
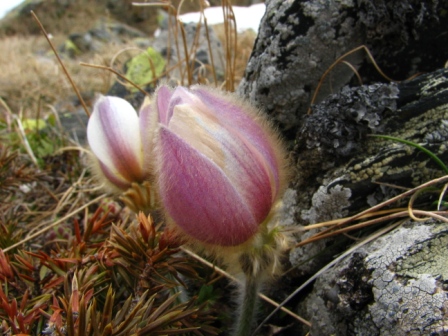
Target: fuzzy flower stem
250 298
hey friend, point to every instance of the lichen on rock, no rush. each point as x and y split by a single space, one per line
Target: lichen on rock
383 297
299 40
327 204
341 121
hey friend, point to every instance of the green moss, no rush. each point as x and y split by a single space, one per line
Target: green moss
145 67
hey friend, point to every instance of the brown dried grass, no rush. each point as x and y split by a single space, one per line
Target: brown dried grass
32 79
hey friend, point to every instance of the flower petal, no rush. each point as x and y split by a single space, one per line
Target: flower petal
180 95
199 196
163 97
242 164
116 179
114 137
199 131
234 116
148 128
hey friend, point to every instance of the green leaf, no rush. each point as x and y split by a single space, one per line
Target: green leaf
420 148
145 67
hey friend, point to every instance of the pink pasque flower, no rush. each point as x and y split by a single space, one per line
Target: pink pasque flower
219 164
121 141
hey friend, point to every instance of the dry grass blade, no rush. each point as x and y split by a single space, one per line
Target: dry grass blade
231 42
341 60
26 144
118 74
327 233
71 214
178 26
433 214
395 215
75 88
441 196
207 33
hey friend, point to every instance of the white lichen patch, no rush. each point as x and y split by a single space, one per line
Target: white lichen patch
384 288
328 204
407 268
435 84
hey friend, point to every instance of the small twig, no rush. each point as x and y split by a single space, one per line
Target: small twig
118 74
75 88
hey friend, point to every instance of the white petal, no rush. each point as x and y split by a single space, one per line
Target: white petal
114 136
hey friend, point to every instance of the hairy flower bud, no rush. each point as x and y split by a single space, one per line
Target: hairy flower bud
219 164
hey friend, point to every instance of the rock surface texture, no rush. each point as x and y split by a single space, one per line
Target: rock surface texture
331 184
396 285
299 40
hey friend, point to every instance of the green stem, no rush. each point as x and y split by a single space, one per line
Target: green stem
250 296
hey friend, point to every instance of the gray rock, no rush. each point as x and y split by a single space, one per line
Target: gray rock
104 32
299 40
331 185
396 285
74 125
198 50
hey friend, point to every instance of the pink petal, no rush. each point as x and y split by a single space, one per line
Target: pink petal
240 163
180 96
241 123
199 197
114 178
114 137
163 97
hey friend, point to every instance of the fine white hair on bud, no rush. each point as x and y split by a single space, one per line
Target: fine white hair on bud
220 166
